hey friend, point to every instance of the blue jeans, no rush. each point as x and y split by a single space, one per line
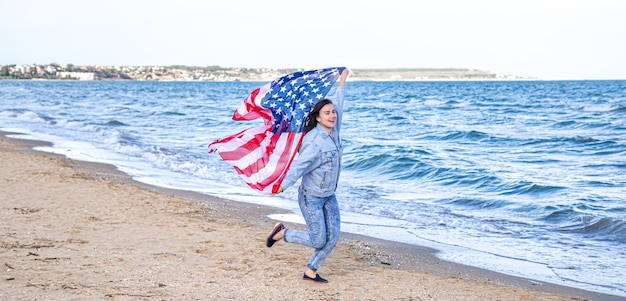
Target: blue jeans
323 227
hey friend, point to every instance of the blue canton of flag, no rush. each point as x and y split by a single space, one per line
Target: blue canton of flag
292 97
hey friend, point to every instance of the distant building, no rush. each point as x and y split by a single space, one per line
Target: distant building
18 69
76 75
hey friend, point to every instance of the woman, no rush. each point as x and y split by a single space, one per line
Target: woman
318 163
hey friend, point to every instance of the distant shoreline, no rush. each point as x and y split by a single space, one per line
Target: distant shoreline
350 80
220 74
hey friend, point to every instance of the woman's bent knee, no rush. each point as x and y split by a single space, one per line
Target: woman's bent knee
318 242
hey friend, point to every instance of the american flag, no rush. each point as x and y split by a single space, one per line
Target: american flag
261 155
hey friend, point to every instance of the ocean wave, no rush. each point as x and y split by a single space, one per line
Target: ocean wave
567 143
466 135
115 123
604 108
404 165
610 229
571 219
393 165
26 116
527 188
171 113
597 227
618 109
567 124
478 203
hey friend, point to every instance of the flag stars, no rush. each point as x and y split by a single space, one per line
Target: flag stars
291 97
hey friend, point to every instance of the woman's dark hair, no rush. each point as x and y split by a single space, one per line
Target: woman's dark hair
311 120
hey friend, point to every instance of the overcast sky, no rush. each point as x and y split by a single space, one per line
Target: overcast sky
550 39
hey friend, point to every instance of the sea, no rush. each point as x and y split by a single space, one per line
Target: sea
525 178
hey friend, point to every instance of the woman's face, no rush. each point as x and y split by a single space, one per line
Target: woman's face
327 117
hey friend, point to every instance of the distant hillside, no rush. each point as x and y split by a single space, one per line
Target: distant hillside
425 74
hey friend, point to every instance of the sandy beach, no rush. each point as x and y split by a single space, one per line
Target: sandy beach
74 230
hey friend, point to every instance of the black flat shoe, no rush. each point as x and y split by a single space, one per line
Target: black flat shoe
269 241
317 278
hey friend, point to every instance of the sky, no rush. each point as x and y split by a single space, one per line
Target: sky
547 39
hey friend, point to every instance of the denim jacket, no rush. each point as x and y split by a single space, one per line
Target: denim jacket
319 158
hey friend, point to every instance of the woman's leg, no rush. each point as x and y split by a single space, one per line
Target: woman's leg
332 224
323 227
313 213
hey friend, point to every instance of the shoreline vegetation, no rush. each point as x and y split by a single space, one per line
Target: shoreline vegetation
55 71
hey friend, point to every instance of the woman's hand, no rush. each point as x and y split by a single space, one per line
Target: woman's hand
344 75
